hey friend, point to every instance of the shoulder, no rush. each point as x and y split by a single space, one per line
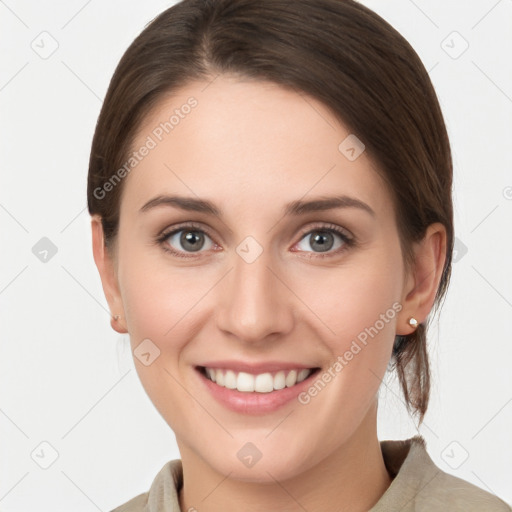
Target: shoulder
420 486
163 495
460 495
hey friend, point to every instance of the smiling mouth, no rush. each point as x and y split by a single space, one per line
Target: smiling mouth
260 383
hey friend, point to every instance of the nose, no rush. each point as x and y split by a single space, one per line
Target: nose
254 302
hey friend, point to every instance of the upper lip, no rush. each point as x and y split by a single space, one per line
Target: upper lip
256 368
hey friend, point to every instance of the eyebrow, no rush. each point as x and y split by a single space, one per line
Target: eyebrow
299 207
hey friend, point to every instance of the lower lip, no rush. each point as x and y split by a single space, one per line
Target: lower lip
254 403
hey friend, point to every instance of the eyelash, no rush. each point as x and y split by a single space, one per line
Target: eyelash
348 242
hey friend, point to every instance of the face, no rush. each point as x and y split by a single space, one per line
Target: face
263 285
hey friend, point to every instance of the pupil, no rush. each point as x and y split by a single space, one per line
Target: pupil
320 239
193 241
189 240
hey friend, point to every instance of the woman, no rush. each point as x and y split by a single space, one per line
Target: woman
234 137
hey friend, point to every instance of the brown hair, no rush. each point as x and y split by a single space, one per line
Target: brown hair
337 51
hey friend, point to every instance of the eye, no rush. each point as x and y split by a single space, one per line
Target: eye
323 238
184 239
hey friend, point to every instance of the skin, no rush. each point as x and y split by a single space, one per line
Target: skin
251 147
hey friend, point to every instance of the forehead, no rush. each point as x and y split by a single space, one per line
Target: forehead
242 141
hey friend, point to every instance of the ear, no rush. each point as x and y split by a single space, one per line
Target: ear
423 278
106 267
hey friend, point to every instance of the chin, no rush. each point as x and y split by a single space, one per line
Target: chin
246 463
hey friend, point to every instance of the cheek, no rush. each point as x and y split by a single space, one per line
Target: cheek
358 305
159 307
158 299
353 299
367 312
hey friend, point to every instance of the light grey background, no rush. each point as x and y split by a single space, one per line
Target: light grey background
67 380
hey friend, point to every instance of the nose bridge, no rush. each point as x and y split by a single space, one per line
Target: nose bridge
254 302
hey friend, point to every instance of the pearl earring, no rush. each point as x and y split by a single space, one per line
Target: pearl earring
413 322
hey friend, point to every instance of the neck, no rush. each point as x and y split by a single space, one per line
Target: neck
351 479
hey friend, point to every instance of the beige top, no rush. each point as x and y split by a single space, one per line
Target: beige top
418 486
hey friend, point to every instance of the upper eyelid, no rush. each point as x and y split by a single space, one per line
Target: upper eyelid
319 225
192 227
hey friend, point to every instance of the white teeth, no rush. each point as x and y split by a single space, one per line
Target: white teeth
302 374
279 380
229 379
291 379
262 383
244 381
